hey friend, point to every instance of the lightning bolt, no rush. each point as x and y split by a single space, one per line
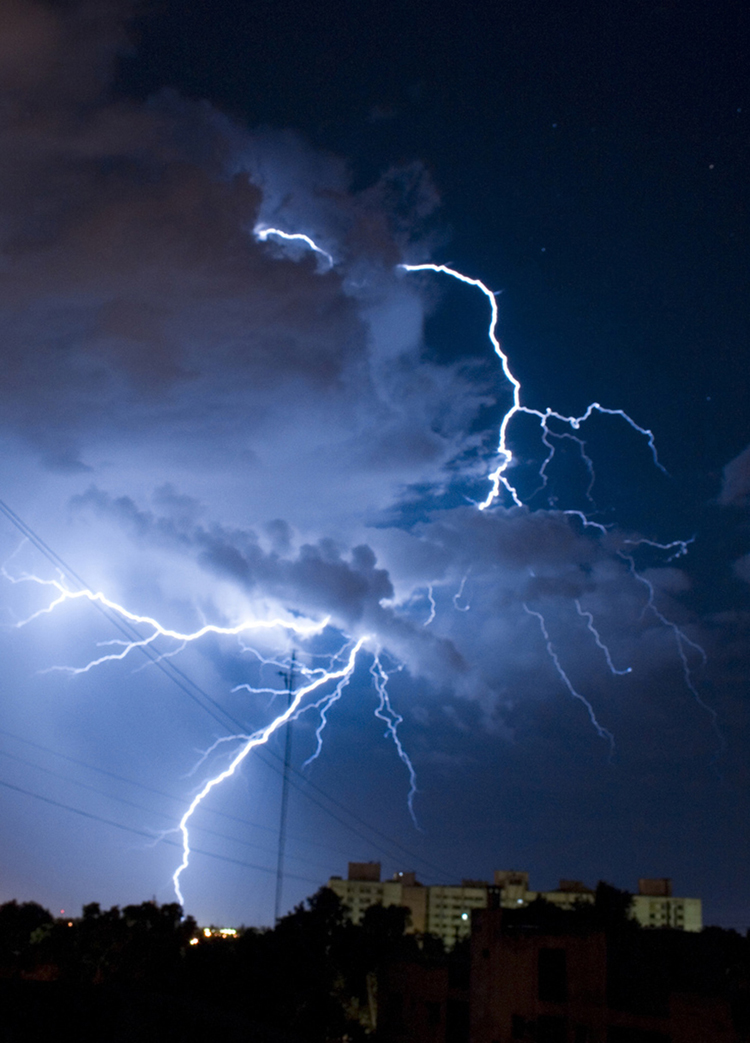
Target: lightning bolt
392 720
262 233
341 666
260 738
65 594
431 598
459 594
682 641
602 732
564 436
322 705
339 673
499 476
678 548
600 644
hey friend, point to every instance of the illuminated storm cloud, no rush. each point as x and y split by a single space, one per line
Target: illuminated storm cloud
235 423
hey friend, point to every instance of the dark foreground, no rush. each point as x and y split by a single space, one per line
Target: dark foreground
33 1010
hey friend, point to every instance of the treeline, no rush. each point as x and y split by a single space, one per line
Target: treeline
315 976
140 944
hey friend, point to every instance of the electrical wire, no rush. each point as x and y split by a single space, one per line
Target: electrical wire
198 695
144 833
150 811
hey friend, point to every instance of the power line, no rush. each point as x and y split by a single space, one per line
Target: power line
214 709
143 833
207 809
140 785
150 811
127 629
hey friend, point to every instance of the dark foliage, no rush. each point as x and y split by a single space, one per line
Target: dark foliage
646 965
609 912
19 924
315 976
140 944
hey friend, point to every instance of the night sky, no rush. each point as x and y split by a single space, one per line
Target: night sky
212 429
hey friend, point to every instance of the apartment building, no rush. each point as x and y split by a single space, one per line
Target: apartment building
445 909
656 906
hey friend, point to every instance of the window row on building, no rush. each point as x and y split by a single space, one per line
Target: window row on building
445 909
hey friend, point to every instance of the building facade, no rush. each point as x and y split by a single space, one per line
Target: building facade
576 989
656 906
518 982
445 910
442 910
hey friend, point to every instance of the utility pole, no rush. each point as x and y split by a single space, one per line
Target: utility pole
289 683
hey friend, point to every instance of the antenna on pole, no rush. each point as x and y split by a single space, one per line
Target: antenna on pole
288 676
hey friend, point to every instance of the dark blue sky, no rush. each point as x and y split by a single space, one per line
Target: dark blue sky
205 428
591 160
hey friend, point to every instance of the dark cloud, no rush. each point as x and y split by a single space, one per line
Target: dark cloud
480 569
318 579
144 326
58 54
279 416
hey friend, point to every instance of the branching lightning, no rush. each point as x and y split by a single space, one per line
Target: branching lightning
499 476
564 436
602 732
392 720
260 738
600 644
341 666
682 641
324 686
302 629
323 706
677 548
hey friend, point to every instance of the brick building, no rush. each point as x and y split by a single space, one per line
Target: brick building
518 983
